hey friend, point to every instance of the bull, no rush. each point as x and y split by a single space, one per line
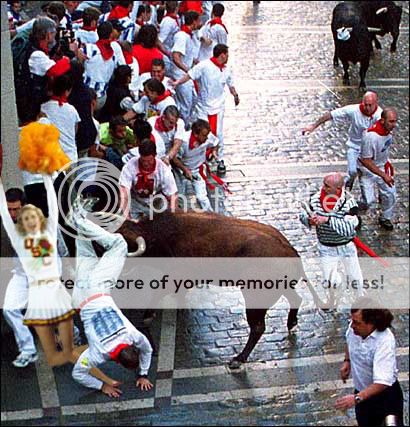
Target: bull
383 15
190 234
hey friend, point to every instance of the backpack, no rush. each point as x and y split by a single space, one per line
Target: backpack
29 90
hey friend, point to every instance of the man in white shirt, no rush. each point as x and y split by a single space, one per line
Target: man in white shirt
111 336
361 117
212 33
376 168
146 181
191 160
212 76
371 359
63 115
183 55
158 72
87 33
169 26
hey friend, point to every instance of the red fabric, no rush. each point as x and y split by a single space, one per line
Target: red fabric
378 128
145 185
388 169
360 245
152 138
60 67
216 178
106 49
213 123
196 86
89 28
192 141
361 106
187 30
61 99
145 56
160 125
162 97
328 201
118 12
215 61
140 22
186 5
174 16
128 57
115 354
215 21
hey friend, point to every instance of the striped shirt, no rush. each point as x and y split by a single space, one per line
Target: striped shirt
341 227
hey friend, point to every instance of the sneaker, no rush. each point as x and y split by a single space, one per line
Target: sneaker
23 360
221 170
386 224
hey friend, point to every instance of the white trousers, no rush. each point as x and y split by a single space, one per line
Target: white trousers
388 195
185 95
202 114
330 257
15 301
199 186
93 274
353 154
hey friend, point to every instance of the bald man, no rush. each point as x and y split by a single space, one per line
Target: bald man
361 117
333 213
376 169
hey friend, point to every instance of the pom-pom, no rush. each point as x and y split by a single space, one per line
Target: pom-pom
40 150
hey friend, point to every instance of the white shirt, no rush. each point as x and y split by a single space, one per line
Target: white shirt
373 359
65 118
359 122
183 44
166 82
217 34
107 329
85 36
97 71
165 140
145 106
39 63
194 158
376 147
212 81
164 181
167 30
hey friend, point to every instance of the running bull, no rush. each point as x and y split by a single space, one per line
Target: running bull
354 25
213 235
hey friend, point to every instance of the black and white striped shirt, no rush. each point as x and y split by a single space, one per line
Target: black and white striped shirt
341 227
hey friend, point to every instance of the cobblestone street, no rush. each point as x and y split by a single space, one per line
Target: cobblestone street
281 53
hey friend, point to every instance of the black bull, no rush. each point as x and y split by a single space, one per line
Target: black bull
212 235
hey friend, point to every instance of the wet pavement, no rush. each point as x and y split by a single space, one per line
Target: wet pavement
282 58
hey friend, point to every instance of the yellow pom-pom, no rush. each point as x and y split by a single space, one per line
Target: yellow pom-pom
40 150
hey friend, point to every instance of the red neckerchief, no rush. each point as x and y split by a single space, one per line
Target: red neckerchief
162 97
379 129
145 185
174 16
128 57
328 201
89 27
361 106
218 20
115 354
61 99
140 22
118 12
106 49
160 125
216 62
187 30
192 141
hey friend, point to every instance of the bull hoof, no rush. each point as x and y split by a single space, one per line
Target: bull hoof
292 319
236 363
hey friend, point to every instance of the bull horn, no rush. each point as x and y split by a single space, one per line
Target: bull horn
382 10
141 247
350 29
373 30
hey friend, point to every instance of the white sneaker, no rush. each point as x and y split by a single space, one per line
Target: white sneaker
23 360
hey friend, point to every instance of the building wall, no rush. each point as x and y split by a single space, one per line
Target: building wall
11 175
